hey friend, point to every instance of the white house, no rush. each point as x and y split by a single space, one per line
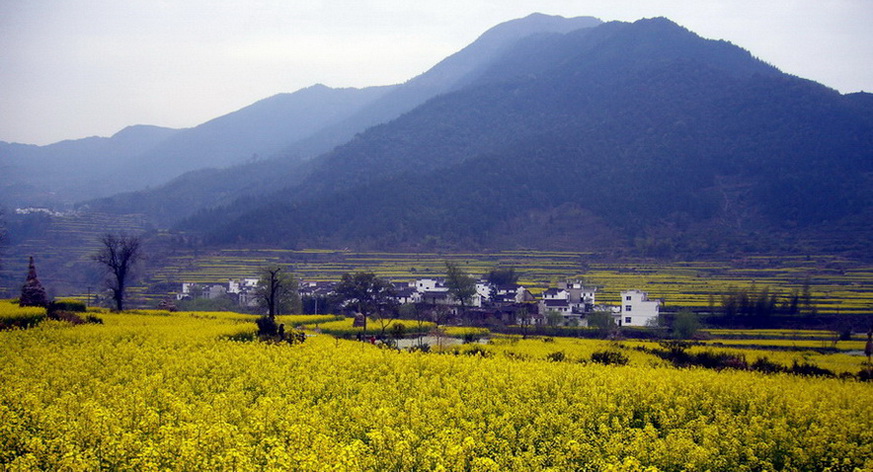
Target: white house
238 286
572 299
483 290
636 309
430 285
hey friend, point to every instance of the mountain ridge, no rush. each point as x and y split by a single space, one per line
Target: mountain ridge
396 100
677 134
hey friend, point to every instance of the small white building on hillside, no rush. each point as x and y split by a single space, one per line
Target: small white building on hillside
637 310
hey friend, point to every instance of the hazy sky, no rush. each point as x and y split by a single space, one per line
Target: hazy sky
70 69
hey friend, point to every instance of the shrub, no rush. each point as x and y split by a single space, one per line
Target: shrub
67 316
478 351
763 364
809 369
558 356
267 326
517 356
715 360
610 358
75 306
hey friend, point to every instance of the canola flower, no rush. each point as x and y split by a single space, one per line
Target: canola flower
13 315
172 392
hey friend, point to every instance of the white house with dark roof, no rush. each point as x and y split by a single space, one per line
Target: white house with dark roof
572 299
637 310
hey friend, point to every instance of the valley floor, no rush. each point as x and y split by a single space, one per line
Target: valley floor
184 391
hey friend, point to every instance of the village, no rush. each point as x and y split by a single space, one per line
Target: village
570 303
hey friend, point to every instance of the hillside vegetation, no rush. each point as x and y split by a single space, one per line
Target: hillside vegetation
592 139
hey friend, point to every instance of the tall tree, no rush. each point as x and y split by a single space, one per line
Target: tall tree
369 294
118 253
277 291
502 276
461 285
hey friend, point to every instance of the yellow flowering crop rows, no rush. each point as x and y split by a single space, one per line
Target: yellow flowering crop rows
12 315
148 392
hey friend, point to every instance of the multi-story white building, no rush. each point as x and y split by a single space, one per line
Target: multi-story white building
572 299
637 310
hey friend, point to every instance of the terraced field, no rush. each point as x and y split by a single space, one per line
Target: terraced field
837 285
63 250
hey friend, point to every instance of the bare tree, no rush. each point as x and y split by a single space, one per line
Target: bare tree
277 291
118 253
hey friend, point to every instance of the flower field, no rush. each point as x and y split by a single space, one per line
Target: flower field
161 391
12 315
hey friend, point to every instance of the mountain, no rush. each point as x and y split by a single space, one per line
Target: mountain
140 156
449 74
258 131
218 141
59 173
622 135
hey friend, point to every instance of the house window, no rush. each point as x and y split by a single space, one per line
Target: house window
627 319
627 298
627 308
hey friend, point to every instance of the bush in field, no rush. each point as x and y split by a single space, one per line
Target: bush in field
74 306
267 326
809 369
763 364
270 330
609 358
14 316
557 356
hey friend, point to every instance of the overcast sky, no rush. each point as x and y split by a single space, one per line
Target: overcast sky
71 69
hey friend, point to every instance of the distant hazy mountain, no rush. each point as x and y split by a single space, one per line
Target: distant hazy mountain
141 156
219 141
61 173
258 131
622 135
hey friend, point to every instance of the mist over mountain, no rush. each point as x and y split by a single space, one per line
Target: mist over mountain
619 135
451 73
141 156
284 166
258 131
59 174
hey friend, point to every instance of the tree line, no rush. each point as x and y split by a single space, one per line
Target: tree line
754 303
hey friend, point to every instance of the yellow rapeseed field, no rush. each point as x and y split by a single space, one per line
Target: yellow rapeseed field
159 391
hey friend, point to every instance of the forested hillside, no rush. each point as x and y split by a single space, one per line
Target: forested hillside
324 118
618 135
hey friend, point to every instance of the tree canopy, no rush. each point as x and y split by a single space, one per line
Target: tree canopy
364 291
460 284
